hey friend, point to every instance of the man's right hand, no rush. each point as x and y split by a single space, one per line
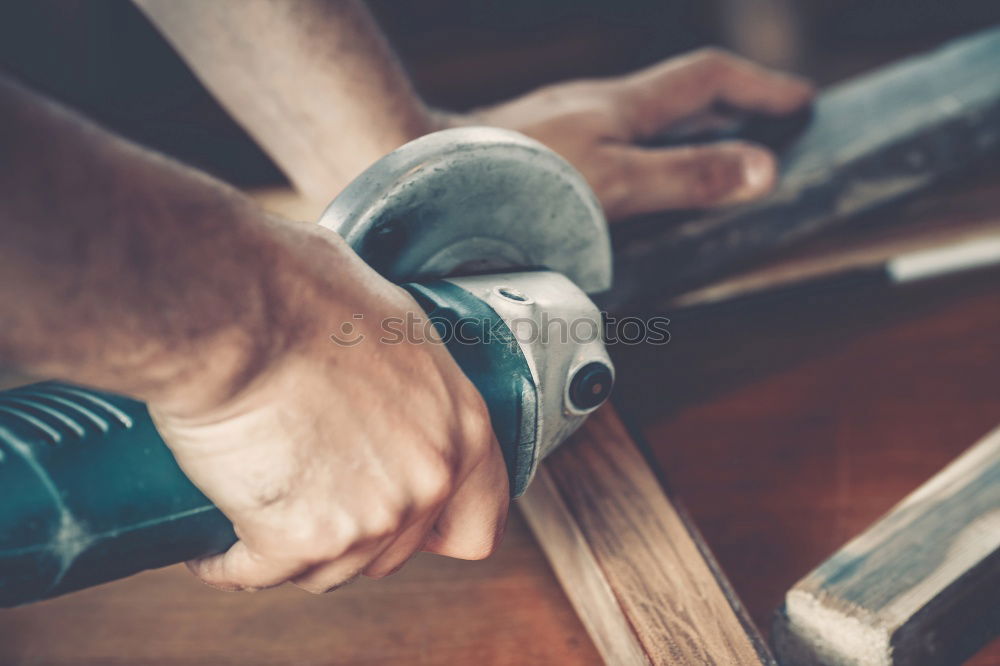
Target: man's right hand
130 273
330 459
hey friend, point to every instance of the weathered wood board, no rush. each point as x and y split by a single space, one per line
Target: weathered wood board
951 217
871 140
920 586
644 586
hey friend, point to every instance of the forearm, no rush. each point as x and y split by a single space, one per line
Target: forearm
313 81
120 268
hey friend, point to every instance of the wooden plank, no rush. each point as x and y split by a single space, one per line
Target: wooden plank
920 586
641 582
871 140
952 216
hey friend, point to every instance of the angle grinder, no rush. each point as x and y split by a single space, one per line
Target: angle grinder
496 237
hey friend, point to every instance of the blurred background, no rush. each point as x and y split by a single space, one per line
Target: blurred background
104 58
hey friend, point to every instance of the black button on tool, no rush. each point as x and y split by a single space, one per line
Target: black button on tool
591 385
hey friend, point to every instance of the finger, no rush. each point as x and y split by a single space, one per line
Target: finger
402 549
388 556
705 176
472 523
664 93
332 575
239 568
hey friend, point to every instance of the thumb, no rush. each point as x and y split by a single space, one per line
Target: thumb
704 176
240 568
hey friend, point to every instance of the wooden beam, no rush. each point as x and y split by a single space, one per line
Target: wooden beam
638 575
920 586
934 223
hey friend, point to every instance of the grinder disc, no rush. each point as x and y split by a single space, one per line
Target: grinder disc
472 200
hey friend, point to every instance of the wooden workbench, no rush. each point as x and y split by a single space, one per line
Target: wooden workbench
788 426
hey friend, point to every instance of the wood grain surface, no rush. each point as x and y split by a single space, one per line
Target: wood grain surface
920 586
631 567
958 213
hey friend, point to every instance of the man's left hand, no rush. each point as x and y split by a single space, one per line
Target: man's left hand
600 126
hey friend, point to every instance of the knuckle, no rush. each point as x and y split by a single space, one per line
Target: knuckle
303 536
312 541
477 428
267 494
347 533
437 478
383 520
713 63
712 57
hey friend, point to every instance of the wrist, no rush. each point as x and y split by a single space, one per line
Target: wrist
352 142
311 282
229 327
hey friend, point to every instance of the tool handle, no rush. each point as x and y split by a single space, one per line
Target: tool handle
91 493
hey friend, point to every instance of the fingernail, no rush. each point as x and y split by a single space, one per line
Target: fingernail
758 174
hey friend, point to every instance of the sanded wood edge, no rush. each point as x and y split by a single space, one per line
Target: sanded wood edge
735 603
578 572
919 586
627 560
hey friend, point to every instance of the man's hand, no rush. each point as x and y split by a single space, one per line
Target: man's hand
333 459
336 100
139 276
600 126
